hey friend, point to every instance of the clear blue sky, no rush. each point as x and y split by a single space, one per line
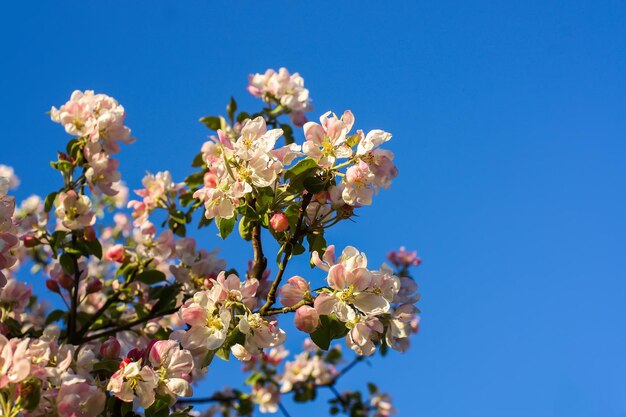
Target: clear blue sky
509 123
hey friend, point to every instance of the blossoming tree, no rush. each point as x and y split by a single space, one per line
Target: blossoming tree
146 311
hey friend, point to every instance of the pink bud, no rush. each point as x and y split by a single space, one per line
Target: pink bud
94 286
306 319
298 118
279 222
89 233
53 285
111 348
30 241
66 281
293 291
116 253
210 179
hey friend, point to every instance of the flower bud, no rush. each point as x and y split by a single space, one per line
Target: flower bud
89 233
306 319
116 253
240 353
293 291
66 281
94 286
279 222
30 241
111 348
53 286
210 179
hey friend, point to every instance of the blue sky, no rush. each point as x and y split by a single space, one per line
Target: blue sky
508 122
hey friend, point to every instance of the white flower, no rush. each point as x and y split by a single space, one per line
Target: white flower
132 381
173 366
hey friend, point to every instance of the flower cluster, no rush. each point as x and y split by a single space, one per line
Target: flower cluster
370 168
140 309
8 238
98 121
235 166
362 300
285 88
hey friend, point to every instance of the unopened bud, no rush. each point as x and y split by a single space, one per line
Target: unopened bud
53 286
116 253
279 222
306 319
30 241
111 348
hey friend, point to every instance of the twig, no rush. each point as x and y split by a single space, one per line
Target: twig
272 311
271 295
130 325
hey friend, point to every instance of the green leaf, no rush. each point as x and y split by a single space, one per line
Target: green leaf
231 108
314 185
242 116
330 328
245 228
204 222
159 408
109 365
212 122
95 248
195 180
49 201
179 217
151 276
297 174
225 226
198 161
67 263
300 168
317 243
288 134
55 315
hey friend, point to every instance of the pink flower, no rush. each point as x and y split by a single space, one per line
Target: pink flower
15 365
326 142
208 320
293 291
260 333
403 258
134 382
306 319
233 289
173 365
74 210
288 89
77 398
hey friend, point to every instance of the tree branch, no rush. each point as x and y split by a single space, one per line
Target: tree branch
219 397
271 295
72 321
130 325
260 261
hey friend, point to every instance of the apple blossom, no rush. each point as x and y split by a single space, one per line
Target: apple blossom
294 291
260 333
77 398
173 366
134 382
306 319
326 142
74 210
12 180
